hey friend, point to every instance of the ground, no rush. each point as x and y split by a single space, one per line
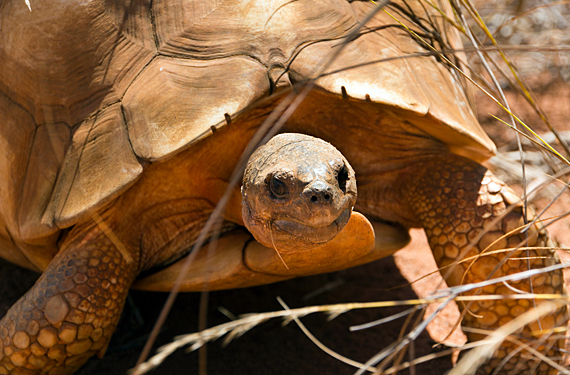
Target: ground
269 348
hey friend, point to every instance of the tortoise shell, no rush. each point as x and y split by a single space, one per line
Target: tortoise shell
93 92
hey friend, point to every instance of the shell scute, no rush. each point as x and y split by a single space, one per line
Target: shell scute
66 59
386 65
99 165
149 83
17 130
268 31
177 101
47 153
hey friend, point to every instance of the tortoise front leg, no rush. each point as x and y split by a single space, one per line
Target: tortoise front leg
72 310
457 202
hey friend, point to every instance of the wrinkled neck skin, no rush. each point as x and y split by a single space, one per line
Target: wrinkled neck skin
298 193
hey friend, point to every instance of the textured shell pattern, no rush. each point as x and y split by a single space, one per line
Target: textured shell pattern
92 92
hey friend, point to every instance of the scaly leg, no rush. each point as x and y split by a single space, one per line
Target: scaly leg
455 200
72 310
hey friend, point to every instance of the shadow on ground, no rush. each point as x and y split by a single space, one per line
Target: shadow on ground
268 348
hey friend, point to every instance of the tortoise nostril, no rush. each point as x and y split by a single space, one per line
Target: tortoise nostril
319 192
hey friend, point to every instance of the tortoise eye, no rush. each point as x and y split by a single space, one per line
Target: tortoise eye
342 178
278 188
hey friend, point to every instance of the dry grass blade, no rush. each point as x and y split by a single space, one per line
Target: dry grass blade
323 347
240 326
396 347
469 364
382 321
112 236
478 86
520 82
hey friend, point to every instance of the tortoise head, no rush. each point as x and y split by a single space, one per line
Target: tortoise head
298 193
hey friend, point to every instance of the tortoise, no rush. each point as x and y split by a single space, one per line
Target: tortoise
122 124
